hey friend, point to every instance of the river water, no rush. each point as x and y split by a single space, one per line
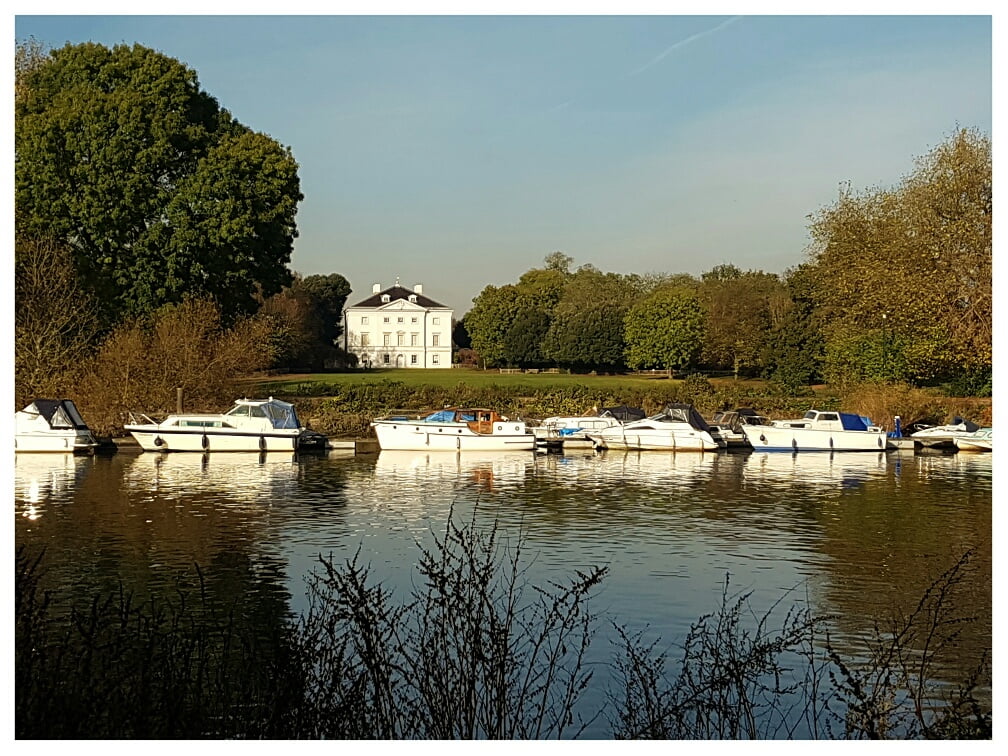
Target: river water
858 535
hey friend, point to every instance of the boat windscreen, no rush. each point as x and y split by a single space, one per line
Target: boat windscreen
282 416
441 416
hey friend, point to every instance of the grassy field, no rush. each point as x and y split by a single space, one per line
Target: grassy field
480 378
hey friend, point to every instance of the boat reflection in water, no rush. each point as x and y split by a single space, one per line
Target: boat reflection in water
245 477
39 477
482 469
845 469
654 468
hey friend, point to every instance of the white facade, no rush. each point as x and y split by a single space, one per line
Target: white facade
399 328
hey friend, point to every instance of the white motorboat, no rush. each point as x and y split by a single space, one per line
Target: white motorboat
573 430
980 440
817 431
261 425
679 427
52 425
729 424
454 429
944 436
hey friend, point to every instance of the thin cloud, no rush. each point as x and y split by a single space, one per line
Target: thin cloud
683 43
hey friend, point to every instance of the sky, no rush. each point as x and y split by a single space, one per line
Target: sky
458 151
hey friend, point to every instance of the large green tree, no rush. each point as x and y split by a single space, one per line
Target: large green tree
665 330
157 191
742 309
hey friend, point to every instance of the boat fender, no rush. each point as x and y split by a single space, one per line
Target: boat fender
831 443
879 441
458 442
296 442
762 438
262 443
158 441
66 443
794 444
205 442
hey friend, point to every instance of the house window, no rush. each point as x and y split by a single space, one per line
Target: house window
412 359
385 359
363 320
385 319
384 297
413 339
399 319
435 359
402 339
413 320
436 321
437 339
365 339
388 339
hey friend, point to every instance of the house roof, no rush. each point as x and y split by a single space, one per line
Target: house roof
396 293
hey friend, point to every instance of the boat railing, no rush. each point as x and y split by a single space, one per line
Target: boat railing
139 418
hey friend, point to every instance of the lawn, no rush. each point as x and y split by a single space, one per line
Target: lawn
475 377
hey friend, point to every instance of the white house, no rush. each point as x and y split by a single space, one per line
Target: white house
399 328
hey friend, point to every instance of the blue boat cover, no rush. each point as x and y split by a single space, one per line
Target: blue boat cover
850 421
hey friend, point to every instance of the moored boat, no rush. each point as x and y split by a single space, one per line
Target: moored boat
575 430
52 425
944 436
261 425
729 423
679 427
817 431
980 440
454 429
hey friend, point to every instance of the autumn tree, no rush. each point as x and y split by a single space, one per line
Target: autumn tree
665 330
155 189
55 322
907 270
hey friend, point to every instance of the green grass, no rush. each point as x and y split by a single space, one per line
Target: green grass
477 378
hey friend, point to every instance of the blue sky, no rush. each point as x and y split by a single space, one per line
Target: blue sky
459 151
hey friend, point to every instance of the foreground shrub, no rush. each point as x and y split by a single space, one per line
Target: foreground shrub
473 651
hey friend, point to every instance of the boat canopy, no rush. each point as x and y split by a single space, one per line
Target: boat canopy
442 416
58 413
623 413
686 413
280 414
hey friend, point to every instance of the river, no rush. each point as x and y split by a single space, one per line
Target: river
858 535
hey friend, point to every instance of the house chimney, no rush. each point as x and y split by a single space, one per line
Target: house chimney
418 288
376 288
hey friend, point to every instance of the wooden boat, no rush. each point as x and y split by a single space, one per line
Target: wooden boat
260 425
817 431
454 429
52 425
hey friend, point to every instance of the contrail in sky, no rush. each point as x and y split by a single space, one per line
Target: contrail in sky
684 42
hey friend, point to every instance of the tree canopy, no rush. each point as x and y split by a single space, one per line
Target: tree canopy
665 330
155 189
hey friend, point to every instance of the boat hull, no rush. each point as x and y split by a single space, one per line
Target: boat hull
399 435
789 439
657 441
156 439
55 441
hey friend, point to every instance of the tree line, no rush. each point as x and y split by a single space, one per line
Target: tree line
142 205
895 287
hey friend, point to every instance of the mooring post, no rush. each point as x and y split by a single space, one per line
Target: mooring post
178 399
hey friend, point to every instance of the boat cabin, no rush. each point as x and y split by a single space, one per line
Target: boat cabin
822 420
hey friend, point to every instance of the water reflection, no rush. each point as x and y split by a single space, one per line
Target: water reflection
38 478
482 470
246 478
843 469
